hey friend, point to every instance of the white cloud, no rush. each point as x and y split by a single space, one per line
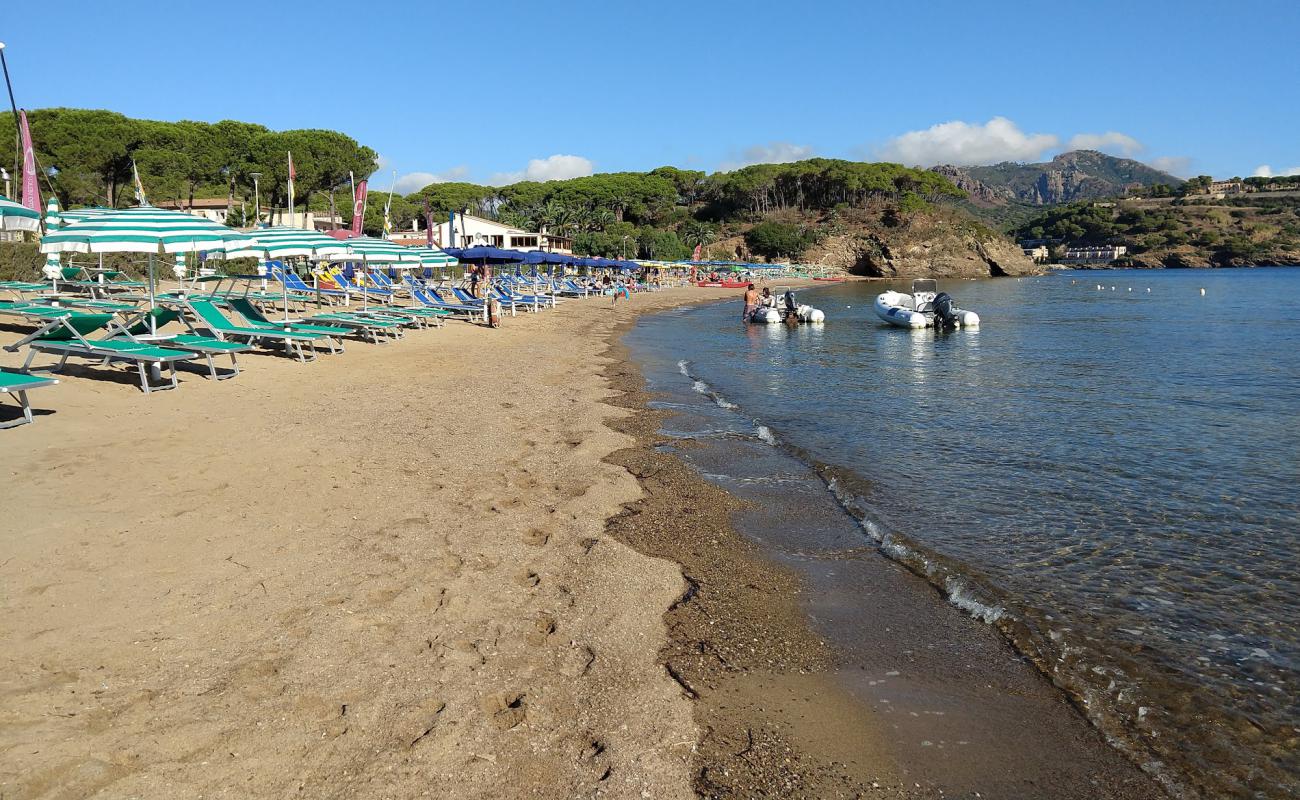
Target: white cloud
1112 142
415 181
1265 171
552 168
965 143
1178 166
771 153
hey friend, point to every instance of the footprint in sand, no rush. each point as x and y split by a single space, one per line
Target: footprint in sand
527 578
536 537
462 652
425 720
577 661
543 627
594 760
504 709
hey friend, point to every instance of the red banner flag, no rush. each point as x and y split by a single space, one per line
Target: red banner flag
696 255
358 208
31 193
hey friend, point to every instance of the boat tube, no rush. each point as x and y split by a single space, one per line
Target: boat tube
925 307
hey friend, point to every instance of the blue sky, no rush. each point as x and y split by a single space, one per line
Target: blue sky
502 90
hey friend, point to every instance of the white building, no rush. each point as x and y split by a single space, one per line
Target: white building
1103 254
472 231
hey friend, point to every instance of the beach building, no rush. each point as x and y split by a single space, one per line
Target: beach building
1099 254
472 230
1037 254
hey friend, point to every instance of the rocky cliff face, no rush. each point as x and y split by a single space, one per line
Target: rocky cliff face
927 249
1077 175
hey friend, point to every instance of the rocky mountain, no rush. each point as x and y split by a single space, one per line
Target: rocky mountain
1077 175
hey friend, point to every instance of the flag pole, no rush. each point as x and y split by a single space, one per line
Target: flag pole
18 148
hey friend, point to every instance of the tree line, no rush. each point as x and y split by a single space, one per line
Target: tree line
86 157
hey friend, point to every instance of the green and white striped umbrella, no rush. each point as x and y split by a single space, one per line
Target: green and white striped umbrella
285 242
381 251
17 217
433 257
55 218
144 230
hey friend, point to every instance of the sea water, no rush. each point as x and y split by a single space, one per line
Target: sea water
1107 470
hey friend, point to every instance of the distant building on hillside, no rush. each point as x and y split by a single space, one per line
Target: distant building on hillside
1227 187
472 231
1037 254
1099 254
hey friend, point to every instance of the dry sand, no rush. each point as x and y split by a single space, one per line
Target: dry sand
383 574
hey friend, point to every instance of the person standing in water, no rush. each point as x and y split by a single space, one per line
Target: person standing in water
751 303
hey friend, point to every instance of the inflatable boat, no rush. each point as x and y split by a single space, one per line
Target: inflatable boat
786 307
925 307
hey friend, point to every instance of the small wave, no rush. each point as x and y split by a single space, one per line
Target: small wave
683 367
765 433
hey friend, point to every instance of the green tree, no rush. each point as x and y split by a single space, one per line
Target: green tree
776 240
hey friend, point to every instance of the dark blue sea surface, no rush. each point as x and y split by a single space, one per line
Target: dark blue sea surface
1108 470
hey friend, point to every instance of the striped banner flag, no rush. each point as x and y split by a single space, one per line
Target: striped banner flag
31 198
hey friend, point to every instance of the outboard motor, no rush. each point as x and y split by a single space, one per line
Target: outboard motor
944 315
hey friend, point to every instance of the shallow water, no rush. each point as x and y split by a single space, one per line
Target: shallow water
1107 475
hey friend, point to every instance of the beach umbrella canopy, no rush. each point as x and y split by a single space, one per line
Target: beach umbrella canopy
381 251
536 257
17 217
483 253
55 218
433 257
143 230
285 242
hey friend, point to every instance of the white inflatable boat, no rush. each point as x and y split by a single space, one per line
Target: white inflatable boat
925 307
785 307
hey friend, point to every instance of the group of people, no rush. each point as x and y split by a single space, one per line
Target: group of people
755 300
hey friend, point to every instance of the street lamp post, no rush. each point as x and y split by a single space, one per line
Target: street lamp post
257 199
625 247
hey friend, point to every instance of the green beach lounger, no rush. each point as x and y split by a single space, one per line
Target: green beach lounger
208 317
65 337
205 346
17 384
256 319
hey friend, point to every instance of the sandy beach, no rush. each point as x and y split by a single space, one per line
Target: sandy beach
450 566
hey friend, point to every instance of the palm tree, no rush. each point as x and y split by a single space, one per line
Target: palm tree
602 218
699 233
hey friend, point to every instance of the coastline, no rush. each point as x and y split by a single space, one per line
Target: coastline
446 559
777 665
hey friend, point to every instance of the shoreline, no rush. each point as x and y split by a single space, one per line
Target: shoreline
791 710
739 644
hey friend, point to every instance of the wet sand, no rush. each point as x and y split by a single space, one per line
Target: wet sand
390 574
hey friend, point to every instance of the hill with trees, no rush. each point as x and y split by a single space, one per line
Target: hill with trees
1189 231
791 211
